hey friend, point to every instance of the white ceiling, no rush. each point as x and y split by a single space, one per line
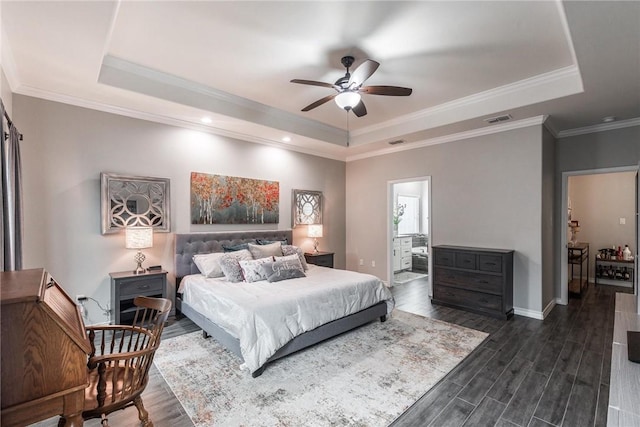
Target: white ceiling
177 61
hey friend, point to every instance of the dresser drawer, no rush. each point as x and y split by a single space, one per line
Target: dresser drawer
492 263
142 286
466 260
469 280
444 258
466 298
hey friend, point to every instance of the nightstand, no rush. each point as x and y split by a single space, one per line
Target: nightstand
323 259
126 285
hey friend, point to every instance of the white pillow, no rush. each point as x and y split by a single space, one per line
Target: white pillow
252 269
209 264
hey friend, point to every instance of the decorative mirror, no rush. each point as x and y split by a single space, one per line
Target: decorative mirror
307 207
134 201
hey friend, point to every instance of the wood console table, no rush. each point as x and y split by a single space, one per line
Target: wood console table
44 350
578 254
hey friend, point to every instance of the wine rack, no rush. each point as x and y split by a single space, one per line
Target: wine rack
615 272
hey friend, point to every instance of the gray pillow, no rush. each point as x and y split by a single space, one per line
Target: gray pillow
230 264
251 269
234 248
290 250
282 270
263 251
266 242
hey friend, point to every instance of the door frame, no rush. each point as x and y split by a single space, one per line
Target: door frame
564 258
390 185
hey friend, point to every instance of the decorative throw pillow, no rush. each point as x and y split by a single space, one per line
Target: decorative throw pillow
230 264
252 269
290 250
209 264
234 248
293 257
282 270
266 242
263 251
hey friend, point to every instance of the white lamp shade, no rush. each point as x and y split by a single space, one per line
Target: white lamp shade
315 230
138 237
347 99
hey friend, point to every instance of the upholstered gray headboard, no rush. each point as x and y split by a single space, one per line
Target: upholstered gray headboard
187 245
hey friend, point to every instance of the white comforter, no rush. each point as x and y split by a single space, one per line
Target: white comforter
265 316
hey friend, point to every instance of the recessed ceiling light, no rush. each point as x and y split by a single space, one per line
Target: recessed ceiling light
286 139
609 119
206 120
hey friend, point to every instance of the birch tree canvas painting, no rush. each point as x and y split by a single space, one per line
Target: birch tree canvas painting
219 199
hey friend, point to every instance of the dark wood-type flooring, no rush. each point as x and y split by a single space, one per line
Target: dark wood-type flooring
526 373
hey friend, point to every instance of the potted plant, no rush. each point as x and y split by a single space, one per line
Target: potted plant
398 211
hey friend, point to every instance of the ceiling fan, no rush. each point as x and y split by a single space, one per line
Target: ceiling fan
349 87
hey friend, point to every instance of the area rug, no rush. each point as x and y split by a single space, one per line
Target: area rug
406 276
365 377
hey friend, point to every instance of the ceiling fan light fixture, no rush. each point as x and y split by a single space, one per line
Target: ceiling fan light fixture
347 99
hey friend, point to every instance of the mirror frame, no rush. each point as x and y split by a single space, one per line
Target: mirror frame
161 207
302 198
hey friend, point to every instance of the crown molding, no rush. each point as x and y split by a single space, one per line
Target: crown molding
474 133
158 118
136 78
542 87
603 127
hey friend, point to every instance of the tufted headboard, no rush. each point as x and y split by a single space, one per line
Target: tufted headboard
187 245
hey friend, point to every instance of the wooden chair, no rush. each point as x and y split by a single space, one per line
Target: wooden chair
118 367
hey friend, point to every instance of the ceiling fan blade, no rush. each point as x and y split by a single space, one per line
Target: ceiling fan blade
363 72
319 102
386 90
359 110
314 83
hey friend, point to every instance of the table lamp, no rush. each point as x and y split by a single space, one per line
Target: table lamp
138 238
315 231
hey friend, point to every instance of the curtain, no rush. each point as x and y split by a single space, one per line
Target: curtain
11 204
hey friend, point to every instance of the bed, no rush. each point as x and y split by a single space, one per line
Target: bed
337 301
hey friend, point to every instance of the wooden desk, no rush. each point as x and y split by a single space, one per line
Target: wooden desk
44 350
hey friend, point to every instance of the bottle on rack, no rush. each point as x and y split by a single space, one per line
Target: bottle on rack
626 253
625 274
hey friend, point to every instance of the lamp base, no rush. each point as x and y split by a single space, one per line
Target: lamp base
139 258
315 246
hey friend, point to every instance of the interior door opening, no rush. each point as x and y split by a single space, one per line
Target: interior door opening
600 213
409 232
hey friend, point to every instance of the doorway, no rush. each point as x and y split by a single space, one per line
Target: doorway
599 209
409 231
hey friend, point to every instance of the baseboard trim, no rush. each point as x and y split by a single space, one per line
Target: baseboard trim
528 313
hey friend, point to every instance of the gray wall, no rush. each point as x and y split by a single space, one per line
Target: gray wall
64 150
486 192
550 253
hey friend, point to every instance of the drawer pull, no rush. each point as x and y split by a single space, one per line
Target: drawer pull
146 286
490 263
483 281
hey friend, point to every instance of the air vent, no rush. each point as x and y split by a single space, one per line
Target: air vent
498 119
396 142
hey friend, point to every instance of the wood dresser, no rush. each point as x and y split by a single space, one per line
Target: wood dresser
44 350
474 279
